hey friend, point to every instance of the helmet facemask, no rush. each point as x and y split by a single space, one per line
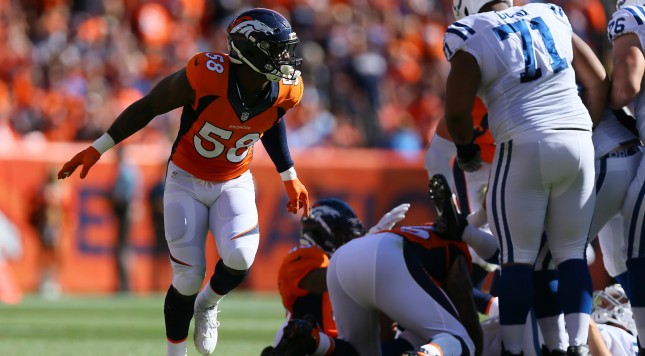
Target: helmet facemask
610 306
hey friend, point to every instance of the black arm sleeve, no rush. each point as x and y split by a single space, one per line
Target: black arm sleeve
275 142
132 119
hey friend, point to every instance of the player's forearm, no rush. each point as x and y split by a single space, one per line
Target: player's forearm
629 67
597 345
460 128
132 119
591 75
625 83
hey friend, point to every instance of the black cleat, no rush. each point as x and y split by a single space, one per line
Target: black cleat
450 223
547 352
580 350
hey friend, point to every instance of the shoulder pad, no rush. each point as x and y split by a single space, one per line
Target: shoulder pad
211 66
625 20
456 37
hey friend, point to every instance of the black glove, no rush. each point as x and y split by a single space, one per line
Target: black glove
297 338
469 157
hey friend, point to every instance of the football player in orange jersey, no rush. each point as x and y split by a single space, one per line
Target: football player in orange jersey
230 101
301 278
392 273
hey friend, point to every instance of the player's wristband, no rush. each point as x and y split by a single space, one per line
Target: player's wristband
289 174
468 151
325 346
103 143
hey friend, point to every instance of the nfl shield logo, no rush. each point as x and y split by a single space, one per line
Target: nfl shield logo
245 116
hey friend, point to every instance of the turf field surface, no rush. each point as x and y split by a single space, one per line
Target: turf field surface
128 325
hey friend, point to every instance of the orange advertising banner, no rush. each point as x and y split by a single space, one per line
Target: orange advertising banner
372 181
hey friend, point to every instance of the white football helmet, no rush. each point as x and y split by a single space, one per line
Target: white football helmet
611 306
623 3
463 8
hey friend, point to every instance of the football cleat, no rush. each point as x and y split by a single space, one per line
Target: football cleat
206 325
450 223
547 352
580 350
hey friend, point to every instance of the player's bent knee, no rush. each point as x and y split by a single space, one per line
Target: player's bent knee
188 280
240 259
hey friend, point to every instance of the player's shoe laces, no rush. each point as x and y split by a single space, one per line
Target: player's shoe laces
206 325
450 224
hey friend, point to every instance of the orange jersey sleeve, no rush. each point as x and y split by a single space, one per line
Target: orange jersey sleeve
298 263
481 132
217 132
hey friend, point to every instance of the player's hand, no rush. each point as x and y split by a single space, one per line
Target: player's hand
390 219
469 157
87 158
298 338
298 196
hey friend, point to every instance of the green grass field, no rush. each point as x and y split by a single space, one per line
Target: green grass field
128 325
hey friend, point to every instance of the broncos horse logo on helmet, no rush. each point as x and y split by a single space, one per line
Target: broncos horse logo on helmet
263 40
330 224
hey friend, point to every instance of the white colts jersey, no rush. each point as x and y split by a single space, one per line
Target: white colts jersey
527 80
610 134
631 19
619 341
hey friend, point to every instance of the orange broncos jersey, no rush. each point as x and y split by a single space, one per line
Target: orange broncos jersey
299 262
481 132
217 132
437 254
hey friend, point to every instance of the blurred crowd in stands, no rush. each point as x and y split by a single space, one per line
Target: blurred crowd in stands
374 70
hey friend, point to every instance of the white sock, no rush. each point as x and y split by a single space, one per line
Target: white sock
207 298
554 333
176 349
513 337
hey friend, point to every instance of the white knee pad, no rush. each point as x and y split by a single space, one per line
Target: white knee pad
188 280
240 258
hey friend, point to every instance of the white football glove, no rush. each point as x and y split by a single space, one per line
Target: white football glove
390 219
